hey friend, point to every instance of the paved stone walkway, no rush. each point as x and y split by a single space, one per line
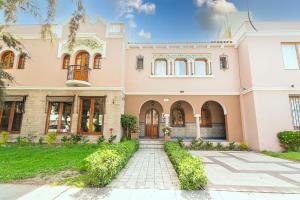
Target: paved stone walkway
148 168
251 172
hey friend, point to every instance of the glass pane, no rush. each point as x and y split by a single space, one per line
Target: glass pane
85 115
200 68
5 115
17 121
180 67
98 115
54 115
148 118
290 56
66 118
160 67
155 117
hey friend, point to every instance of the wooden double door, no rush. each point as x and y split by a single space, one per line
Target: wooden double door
82 66
152 124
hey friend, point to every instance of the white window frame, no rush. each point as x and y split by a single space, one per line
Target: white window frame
297 49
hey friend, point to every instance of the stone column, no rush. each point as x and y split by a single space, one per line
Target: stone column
167 119
197 118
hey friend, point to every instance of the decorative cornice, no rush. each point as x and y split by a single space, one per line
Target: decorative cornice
65 88
183 94
270 89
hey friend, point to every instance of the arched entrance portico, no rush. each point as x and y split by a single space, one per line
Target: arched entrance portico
213 121
150 119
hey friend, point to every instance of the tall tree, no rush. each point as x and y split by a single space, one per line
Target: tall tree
11 8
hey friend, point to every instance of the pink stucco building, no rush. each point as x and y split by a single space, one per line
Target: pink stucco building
246 88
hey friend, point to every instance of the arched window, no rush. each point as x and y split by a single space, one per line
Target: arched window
97 61
22 60
177 116
7 60
82 59
206 116
180 67
201 68
66 61
160 67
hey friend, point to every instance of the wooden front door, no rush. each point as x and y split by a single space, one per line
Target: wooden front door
152 124
81 68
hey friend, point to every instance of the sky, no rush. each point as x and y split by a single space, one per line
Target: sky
171 20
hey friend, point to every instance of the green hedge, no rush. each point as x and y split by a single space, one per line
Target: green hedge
190 170
103 165
290 140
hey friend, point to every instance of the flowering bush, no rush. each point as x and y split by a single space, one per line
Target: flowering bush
167 131
290 140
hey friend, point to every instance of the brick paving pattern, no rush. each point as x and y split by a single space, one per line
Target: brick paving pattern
250 172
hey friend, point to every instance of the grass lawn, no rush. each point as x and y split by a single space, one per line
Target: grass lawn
19 162
286 155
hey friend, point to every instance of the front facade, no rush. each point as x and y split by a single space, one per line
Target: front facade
243 89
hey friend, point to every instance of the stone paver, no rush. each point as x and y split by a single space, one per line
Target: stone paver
249 171
149 168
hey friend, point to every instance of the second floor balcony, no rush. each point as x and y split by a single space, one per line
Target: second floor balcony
78 76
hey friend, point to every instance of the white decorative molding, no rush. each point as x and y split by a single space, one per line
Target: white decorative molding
65 88
270 89
181 76
174 56
184 94
84 41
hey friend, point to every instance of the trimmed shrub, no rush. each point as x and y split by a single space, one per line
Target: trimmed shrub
191 173
4 137
100 139
243 146
51 137
128 123
22 140
76 138
290 140
103 165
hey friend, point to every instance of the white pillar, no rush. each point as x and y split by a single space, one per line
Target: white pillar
169 67
188 72
152 67
193 67
197 118
167 119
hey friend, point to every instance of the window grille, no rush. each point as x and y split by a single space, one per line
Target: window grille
295 107
224 62
140 62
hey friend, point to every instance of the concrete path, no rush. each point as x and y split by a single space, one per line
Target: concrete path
250 172
21 192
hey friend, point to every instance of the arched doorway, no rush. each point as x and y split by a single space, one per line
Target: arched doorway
152 124
182 120
213 121
150 120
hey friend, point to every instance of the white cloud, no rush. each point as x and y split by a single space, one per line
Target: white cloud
129 6
145 35
217 6
200 2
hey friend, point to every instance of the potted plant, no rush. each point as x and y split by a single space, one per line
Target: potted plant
167 132
134 132
128 123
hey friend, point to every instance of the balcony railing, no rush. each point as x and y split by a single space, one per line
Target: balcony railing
78 75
